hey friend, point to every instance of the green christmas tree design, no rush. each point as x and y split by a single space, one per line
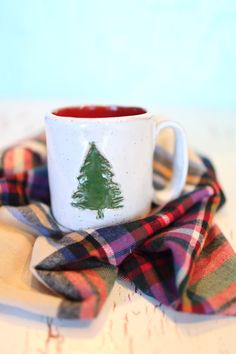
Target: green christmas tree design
96 189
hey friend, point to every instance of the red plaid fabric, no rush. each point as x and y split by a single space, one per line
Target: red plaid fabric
176 255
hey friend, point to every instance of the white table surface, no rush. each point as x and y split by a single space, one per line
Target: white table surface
129 322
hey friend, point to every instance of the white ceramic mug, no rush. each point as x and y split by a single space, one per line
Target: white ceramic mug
100 164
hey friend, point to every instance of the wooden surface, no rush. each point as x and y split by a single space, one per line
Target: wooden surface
130 323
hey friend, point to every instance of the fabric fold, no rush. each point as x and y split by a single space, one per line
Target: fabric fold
176 255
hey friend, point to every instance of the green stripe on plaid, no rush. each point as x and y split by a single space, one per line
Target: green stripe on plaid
209 285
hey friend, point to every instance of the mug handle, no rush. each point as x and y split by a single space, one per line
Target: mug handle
180 164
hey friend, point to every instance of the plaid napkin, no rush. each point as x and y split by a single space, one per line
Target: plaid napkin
176 255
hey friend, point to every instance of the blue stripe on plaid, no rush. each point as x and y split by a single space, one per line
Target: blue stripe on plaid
28 217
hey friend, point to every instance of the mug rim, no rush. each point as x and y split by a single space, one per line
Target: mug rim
131 117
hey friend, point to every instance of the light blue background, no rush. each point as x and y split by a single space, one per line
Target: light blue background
163 52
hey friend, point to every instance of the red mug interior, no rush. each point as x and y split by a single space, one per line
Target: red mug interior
98 111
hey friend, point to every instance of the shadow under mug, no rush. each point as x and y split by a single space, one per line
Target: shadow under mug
100 164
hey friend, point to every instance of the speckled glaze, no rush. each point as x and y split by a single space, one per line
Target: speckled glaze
127 142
